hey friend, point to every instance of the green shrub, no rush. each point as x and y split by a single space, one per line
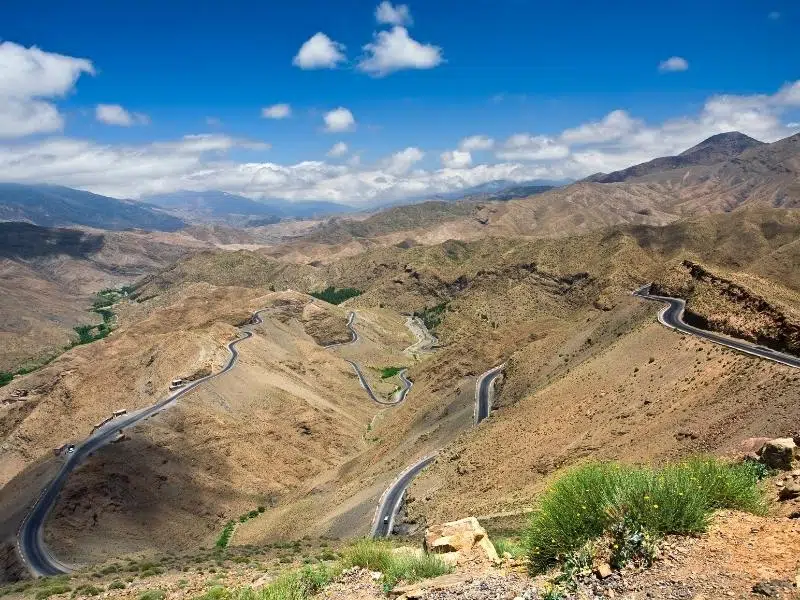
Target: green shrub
52 590
225 536
116 585
375 555
514 548
432 317
87 590
387 372
333 296
411 568
679 498
216 592
153 595
5 378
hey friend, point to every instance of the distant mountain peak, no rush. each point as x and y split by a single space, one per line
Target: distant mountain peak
726 144
716 149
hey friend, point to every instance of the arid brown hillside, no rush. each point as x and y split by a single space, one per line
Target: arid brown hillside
48 277
725 173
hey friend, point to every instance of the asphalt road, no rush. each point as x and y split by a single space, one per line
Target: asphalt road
30 541
484 390
399 395
672 317
393 497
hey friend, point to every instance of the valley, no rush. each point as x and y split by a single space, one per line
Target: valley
475 351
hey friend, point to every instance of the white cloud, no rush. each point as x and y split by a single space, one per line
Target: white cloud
394 50
774 15
672 64
476 142
523 146
386 14
29 80
114 114
339 149
206 161
401 162
612 127
213 121
276 111
319 52
339 119
456 159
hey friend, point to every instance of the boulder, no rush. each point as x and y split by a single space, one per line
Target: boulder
778 453
463 538
790 491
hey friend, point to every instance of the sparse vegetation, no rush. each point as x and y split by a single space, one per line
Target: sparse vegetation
432 317
52 588
377 555
225 536
5 378
333 295
513 547
387 372
635 505
153 595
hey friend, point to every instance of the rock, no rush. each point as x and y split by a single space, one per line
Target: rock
462 537
789 492
773 589
778 453
421 589
603 570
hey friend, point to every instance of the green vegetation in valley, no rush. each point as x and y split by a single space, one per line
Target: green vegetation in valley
336 296
633 506
86 333
432 317
387 372
227 531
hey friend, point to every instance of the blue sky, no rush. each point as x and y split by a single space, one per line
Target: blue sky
519 73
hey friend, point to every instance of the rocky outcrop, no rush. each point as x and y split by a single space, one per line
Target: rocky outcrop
779 454
460 541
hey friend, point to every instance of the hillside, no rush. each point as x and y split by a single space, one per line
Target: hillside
58 206
718 148
48 277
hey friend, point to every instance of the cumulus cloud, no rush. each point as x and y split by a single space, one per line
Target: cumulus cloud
114 114
456 159
205 161
386 14
276 111
338 150
523 146
401 162
672 64
29 80
339 119
476 142
319 52
394 50
612 127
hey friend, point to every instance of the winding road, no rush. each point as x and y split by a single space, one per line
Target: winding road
30 537
484 390
392 498
672 316
399 395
